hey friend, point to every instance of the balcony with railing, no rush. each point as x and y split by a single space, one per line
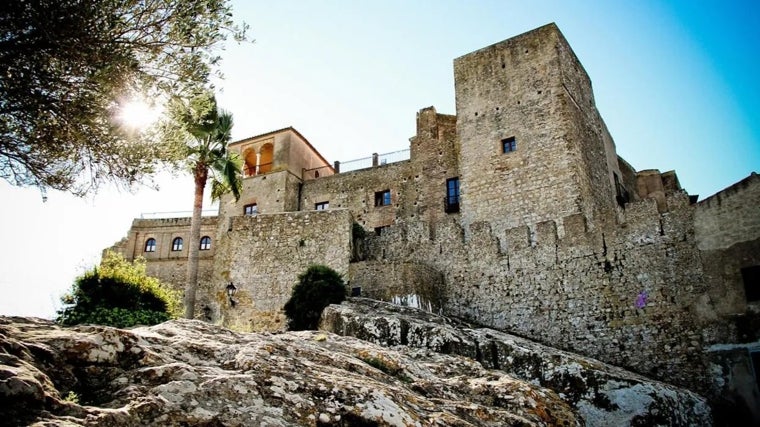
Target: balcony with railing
254 170
372 161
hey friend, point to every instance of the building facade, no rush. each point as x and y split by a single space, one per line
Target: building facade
516 213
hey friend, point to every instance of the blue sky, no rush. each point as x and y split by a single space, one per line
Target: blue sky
675 82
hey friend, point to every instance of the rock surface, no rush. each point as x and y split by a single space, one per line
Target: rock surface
602 394
193 373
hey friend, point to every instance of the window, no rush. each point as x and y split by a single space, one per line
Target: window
751 277
356 291
321 206
251 209
177 244
452 195
380 230
383 198
150 245
205 243
508 145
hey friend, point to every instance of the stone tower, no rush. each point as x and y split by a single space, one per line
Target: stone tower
533 146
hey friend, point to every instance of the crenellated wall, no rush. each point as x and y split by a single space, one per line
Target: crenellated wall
625 296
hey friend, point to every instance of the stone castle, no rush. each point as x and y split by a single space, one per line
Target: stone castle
516 213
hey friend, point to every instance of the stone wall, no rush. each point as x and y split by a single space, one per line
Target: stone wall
587 136
727 229
434 160
624 296
356 191
417 186
404 283
729 216
167 265
263 255
272 193
515 89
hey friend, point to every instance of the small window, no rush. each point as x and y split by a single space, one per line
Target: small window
751 277
321 206
251 209
380 230
508 145
356 291
452 195
383 198
205 243
177 244
150 245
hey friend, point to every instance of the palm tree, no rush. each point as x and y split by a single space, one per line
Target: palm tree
207 156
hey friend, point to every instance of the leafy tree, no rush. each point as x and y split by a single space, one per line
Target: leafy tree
318 287
206 132
118 293
67 67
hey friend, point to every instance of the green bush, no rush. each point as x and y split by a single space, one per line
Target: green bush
118 293
318 287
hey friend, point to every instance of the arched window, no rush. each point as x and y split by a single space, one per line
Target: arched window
150 245
177 244
266 158
249 157
205 243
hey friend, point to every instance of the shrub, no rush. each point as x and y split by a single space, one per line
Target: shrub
317 287
118 293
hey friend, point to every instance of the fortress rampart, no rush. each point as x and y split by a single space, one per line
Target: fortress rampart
516 213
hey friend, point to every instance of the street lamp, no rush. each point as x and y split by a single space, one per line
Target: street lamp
231 290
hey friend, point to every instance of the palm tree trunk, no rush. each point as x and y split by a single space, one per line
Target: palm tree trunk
193 246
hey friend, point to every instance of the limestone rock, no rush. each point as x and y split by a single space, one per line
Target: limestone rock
193 373
602 394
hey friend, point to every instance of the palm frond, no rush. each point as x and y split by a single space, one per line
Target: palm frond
223 131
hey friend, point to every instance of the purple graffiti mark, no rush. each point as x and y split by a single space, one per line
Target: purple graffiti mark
642 299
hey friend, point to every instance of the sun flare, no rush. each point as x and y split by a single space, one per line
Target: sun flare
138 114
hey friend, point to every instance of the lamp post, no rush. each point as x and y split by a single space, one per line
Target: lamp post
231 290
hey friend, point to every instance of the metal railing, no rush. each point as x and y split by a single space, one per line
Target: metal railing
254 170
372 161
176 214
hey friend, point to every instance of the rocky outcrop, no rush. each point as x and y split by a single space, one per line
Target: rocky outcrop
602 394
193 373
